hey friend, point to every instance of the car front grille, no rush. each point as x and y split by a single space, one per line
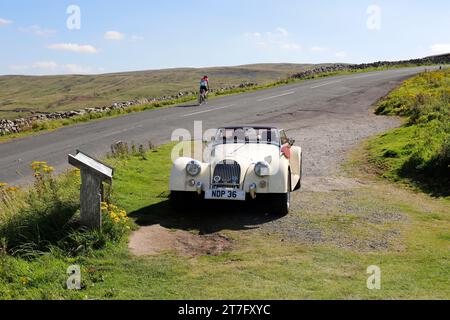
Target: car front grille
227 174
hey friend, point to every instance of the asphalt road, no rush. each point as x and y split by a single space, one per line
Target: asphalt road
298 106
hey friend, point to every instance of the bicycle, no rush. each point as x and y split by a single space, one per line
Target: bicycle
203 97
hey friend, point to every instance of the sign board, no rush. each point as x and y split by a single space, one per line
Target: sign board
93 174
84 161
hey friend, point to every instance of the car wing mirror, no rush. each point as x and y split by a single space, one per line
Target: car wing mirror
291 142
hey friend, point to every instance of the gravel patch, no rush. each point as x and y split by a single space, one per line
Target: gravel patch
333 209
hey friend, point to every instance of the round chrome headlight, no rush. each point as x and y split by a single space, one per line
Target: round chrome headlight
262 169
193 168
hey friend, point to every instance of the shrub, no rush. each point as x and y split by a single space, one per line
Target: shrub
115 221
119 149
45 218
39 218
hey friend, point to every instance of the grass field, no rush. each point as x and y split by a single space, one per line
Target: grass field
262 263
419 152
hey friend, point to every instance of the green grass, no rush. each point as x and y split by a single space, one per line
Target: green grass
414 262
419 152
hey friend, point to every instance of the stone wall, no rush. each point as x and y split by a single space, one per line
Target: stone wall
441 59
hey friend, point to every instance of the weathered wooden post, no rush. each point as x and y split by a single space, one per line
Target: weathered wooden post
93 174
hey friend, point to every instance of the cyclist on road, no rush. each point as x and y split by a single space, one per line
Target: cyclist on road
204 84
204 89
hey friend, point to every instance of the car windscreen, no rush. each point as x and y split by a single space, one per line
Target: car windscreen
247 135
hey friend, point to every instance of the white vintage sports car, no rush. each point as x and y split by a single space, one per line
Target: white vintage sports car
245 163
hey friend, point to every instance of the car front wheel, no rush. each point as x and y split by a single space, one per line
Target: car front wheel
180 200
282 204
282 201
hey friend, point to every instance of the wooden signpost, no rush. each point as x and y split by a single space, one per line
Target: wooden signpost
93 174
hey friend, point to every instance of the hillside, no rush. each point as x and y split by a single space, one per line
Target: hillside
21 95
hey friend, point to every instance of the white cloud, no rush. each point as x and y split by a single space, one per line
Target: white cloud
253 35
262 44
114 36
291 46
36 68
38 31
440 48
50 67
73 47
136 38
278 39
318 49
341 54
283 31
4 22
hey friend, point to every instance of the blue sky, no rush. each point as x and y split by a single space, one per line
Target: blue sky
142 34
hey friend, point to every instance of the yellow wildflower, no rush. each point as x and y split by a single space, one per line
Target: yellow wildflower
37 165
123 214
116 219
104 206
48 169
112 207
24 280
2 185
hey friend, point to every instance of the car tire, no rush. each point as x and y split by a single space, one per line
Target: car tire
178 199
282 202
